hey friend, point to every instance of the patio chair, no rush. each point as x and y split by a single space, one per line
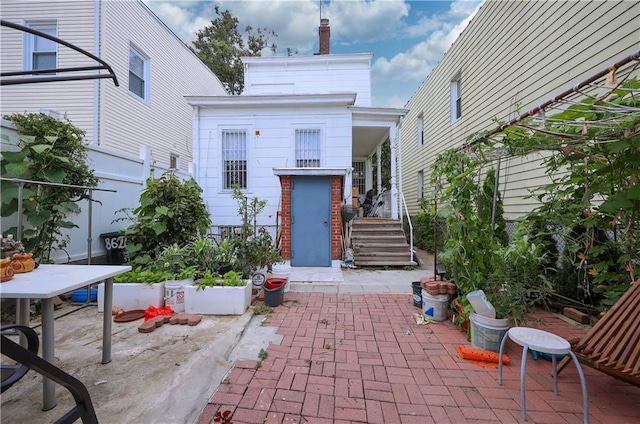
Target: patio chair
613 344
12 373
29 359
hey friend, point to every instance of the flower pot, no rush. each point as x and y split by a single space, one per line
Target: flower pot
128 296
219 300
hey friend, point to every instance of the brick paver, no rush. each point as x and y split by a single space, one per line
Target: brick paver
354 358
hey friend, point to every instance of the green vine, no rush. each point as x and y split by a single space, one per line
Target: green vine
48 150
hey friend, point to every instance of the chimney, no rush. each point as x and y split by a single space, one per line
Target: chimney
324 33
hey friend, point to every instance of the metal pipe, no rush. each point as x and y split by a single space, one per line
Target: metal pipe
495 194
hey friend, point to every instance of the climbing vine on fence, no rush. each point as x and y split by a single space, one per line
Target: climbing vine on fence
48 150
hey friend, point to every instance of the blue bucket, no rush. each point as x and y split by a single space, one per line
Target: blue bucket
80 295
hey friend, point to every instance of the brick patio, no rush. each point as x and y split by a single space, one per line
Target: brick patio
362 358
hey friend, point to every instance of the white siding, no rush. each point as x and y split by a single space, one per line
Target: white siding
75 25
273 148
165 122
512 57
322 74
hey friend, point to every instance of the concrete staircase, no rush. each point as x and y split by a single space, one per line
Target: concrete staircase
380 242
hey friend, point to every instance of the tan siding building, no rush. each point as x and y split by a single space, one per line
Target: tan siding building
154 114
512 57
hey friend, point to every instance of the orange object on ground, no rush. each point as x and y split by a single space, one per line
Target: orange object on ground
480 357
152 312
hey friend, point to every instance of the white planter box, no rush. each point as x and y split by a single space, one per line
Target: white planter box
217 300
130 296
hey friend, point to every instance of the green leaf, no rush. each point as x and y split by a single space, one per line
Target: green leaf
162 210
56 175
17 170
633 192
39 218
159 227
39 148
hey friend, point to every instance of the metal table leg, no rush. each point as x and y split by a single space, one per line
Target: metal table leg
48 346
106 325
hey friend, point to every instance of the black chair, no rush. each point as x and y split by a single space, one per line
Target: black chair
29 359
12 373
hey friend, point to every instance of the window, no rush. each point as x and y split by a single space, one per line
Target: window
420 130
41 53
456 99
234 159
138 74
307 148
358 178
173 161
420 185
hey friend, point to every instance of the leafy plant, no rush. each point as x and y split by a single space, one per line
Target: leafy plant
142 275
208 279
252 251
48 150
170 212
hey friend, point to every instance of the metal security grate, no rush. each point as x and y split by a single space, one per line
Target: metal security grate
307 148
234 159
358 179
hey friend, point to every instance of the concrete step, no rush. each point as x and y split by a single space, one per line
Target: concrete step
390 263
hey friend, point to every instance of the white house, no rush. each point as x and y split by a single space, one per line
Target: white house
512 57
292 138
143 122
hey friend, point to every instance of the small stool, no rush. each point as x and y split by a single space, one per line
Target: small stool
545 342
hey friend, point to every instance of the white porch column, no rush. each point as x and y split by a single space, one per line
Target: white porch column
394 186
368 172
378 169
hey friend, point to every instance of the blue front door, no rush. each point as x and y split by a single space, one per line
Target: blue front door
311 221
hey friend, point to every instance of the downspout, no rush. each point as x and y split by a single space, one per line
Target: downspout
196 145
400 188
96 82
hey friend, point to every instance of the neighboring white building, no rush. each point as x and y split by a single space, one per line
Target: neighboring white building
512 57
143 123
292 138
155 71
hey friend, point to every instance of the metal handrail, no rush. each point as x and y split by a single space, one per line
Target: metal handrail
404 204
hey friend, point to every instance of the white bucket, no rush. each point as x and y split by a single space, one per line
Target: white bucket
435 307
174 294
487 333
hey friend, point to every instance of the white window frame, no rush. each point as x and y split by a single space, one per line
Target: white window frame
420 185
420 128
146 74
456 98
307 156
49 26
240 154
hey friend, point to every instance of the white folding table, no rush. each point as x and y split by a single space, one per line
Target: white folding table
49 281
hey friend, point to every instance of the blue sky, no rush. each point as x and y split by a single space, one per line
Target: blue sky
407 38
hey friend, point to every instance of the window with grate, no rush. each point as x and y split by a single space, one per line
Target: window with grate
41 53
228 232
234 159
420 185
307 148
358 179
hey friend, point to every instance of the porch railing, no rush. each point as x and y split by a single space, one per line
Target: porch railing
406 210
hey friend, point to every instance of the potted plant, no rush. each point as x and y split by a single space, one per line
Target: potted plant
213 294
137 289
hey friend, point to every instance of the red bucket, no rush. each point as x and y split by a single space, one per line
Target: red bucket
274 283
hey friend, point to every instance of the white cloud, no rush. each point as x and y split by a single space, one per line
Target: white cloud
365 20
416 62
